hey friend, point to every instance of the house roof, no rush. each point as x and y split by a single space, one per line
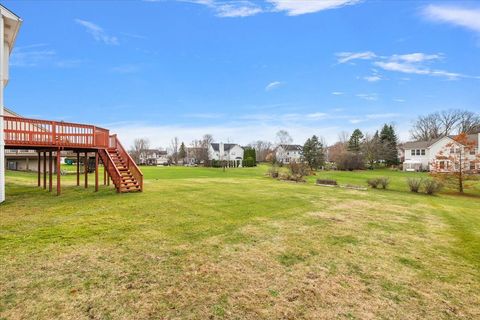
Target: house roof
419 144
226 146
428 143
291 147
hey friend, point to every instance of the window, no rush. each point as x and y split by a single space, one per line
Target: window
413 152
418 152
423 152
472 165
452 150
442 165
473 151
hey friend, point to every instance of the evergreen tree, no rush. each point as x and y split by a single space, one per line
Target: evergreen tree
388 139
182 153
313 152
354 143
249 157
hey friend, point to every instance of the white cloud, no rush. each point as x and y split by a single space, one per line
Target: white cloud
97 32
273 85
344 57
372 78
299 7
468 18
233 10
416 57
31 56
230 9
317 115
337 93
399 100
412 63
246 8
368 96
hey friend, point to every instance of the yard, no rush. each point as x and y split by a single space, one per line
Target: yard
202 243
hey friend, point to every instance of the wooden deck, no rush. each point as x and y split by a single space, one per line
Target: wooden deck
57 136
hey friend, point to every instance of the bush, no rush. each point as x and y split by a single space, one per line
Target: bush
432 186
374 182
299 168
273 171
384 182
350 161
327 182
292 177
414 184
249 162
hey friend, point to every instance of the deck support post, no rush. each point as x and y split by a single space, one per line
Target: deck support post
96 171
39 169
78 168
44 169
50 170
58 173
104 174
85 169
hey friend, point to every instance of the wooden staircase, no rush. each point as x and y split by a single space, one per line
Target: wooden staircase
121 168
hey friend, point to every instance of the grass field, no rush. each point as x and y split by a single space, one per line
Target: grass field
206 244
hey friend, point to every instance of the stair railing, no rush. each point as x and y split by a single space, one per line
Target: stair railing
131 165
112 170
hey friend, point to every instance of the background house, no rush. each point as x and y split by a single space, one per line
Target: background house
230 152
419 155
286 153
154 157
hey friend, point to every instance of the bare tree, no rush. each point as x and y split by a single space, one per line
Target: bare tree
344 137
283 137
469 122
174 144
439 124
139 148
262 149
371 148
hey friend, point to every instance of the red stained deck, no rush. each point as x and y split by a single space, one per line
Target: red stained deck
55 136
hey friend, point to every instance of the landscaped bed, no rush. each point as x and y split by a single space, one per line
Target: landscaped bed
202 243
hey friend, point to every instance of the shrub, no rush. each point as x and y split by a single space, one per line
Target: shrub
273 171
291 177
414 184
374 182
350 161
299 168
383 182
432 186
327 182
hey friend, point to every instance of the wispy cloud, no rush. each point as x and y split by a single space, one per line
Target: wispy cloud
337 93
468 18
38 55
229 9
299 7
246 8
97 32
368 96
344 57
411 63
32 55
373 78
273 85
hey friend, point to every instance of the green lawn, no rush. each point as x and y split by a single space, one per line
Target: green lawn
201 243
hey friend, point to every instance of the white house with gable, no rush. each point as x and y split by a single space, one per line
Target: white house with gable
286 153
230 152
420 155
9 27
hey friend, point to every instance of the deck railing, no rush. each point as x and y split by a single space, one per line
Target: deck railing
32 132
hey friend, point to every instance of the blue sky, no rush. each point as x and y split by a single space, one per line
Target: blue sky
242 70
